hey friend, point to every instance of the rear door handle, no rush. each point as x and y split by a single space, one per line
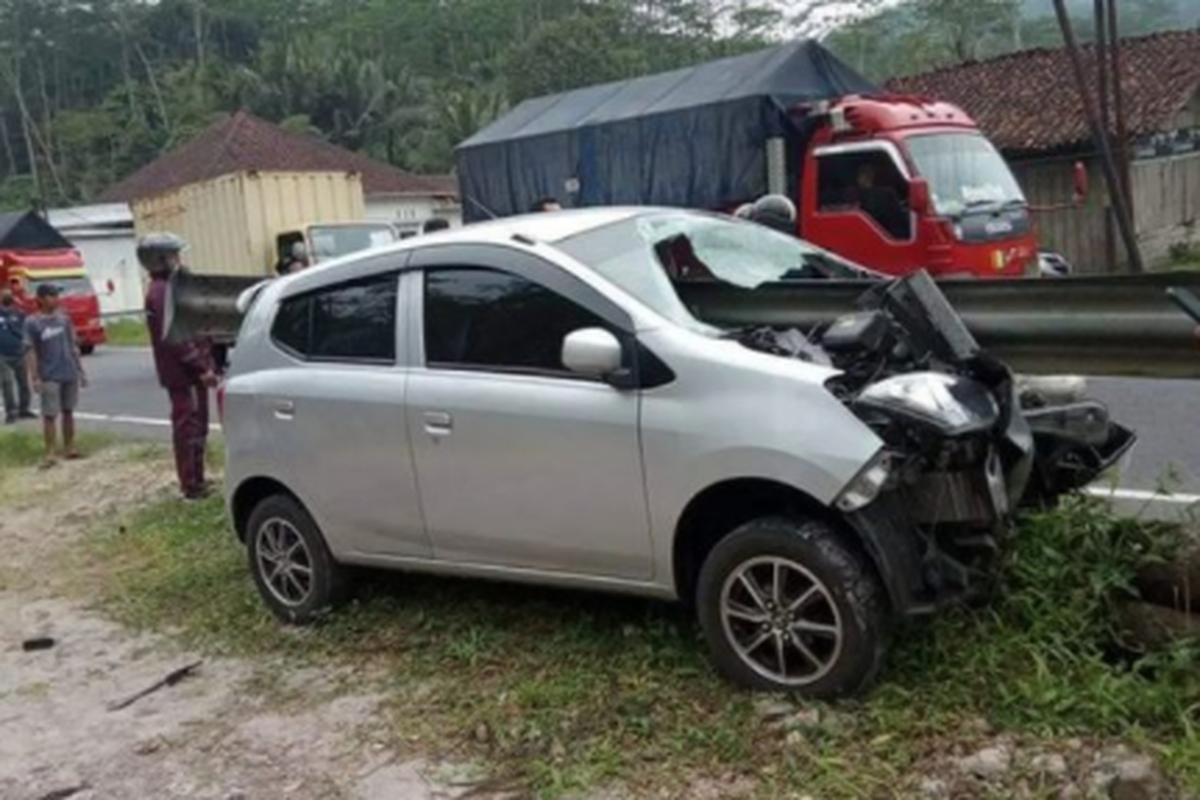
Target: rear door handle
438 423
285 409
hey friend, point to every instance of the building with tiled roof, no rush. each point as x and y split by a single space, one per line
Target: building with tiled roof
244 143
1028 104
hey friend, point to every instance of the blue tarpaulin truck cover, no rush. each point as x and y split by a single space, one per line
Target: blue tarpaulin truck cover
691 138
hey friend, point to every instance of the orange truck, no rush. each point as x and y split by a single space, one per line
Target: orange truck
33 252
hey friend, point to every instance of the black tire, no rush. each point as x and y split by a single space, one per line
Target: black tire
280 518
850 599
87 349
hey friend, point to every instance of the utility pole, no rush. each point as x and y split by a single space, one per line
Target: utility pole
1101 50
1119 107
1124 224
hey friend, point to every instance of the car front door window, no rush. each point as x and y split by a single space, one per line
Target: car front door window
490 320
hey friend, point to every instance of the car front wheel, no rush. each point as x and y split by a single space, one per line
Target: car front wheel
291 564
785 605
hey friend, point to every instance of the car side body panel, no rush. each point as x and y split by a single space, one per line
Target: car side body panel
735 414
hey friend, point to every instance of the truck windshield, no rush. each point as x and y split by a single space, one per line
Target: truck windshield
331 241
965 172
648 254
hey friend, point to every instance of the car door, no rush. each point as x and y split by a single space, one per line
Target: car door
521 463
334 414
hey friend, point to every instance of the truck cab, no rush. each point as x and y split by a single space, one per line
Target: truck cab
326 240
905 183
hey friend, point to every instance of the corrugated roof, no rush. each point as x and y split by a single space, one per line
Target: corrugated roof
243 142
1028 100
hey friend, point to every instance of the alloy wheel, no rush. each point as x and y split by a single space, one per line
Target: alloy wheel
284 562
781 620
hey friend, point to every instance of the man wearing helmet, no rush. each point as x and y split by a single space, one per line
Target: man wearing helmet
185 369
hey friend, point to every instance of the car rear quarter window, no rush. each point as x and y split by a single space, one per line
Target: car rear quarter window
487 319
348 322
291 326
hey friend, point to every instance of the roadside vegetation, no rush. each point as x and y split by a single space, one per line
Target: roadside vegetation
22 447
564 691
127 333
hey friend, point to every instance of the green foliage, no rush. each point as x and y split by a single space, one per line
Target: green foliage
128 333
91 91
925 34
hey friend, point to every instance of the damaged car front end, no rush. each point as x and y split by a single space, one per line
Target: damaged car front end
967 443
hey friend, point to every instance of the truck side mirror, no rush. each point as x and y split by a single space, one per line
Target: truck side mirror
1080 180
918 196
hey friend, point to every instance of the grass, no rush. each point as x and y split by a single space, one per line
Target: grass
563 691
22 446
128 333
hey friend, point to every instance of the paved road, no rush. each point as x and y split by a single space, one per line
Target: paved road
124 398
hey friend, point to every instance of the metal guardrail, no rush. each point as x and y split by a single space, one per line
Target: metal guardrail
205 306
1090 326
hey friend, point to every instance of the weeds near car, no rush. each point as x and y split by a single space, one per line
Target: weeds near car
564 691
23 447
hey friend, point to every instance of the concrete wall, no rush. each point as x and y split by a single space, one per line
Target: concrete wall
112 256
103 234
1166 199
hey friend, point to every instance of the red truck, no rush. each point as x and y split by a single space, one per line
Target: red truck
32 252
892 182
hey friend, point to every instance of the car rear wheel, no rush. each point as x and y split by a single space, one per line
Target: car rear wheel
291 564
785 605
87 348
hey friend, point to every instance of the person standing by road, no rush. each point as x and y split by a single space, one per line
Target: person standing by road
185 369
55 371
14 378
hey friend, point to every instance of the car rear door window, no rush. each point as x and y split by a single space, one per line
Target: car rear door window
487 319
348 322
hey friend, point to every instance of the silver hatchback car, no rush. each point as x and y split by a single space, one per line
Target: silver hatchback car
533 400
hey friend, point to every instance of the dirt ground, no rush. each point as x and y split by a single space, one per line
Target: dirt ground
214 735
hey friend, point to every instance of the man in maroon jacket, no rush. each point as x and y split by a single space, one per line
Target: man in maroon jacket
185 368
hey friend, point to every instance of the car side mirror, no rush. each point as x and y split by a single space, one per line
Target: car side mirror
1080 181
918 196
110 287
593 352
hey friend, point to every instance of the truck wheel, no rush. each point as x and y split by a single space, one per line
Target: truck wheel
291 564
87 348
786 606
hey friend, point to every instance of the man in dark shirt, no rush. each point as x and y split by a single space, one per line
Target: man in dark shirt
185 369
14 379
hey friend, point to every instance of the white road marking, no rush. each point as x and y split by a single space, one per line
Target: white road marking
1143 496
124 420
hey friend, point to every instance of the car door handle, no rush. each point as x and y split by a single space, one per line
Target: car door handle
285 410
438 423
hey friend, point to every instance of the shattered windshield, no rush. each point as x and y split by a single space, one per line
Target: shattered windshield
647 255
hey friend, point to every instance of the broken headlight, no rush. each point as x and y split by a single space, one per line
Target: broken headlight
946 403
